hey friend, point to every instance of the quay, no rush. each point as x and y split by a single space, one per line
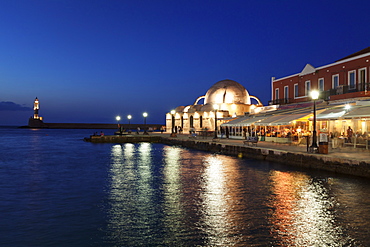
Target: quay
134 138
344 160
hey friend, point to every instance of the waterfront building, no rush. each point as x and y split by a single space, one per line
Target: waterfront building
225 100
346 78
343 108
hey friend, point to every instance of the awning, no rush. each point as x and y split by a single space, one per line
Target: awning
358 112
288 119
235 122
252 120
268 121
330 114
244 121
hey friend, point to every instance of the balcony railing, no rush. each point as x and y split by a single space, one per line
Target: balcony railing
281 101
325 95
343 89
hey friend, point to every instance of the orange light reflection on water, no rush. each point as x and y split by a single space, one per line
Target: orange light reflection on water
303 212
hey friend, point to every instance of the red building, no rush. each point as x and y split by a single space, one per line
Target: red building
347 78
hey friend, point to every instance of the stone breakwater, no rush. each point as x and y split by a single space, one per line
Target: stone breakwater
293 158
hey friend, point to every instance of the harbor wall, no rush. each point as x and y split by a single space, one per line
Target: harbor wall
339 165
37 123
123 139
298 159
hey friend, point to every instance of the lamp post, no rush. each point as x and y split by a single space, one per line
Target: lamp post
314 96
173 121
118 118
173 134
145 116
215 107
129 124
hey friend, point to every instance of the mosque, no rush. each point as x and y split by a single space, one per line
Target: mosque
224 101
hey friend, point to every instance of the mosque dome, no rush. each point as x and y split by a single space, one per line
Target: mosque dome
227 91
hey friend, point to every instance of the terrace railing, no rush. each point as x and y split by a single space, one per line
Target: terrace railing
325 95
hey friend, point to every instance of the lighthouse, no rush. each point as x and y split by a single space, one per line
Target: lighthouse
35 121
36 107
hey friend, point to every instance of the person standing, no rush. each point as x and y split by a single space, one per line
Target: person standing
349 134
335 137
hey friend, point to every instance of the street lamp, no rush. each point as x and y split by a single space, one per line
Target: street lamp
145 116
215 107
173 121
314 96
118 118
347 107
129 126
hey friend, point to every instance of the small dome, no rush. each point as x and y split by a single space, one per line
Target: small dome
180 109
207 107
227 91
194 108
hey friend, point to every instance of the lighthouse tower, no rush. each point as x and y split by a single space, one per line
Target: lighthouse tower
35 121
36 107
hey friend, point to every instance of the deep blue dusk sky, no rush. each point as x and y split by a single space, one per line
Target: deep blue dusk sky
88 60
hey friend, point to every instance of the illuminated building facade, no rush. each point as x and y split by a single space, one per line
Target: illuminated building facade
227 98
347 78
343 105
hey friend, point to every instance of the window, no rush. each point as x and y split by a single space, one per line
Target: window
286 92
321 84
307 88
361 79
352 79
276 94
335 81
296 90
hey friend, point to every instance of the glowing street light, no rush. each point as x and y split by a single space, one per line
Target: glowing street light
173 121
118 118
347 107
129 124
215 107
314 96
145 115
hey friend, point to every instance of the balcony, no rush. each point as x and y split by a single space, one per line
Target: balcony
341 92
345 89
281 101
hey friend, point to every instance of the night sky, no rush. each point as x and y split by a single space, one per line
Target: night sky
88 61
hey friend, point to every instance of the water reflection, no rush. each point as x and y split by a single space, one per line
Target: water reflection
169 196
172 188
132 205
215 208
303 211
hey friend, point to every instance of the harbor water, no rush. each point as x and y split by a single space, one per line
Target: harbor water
57 190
